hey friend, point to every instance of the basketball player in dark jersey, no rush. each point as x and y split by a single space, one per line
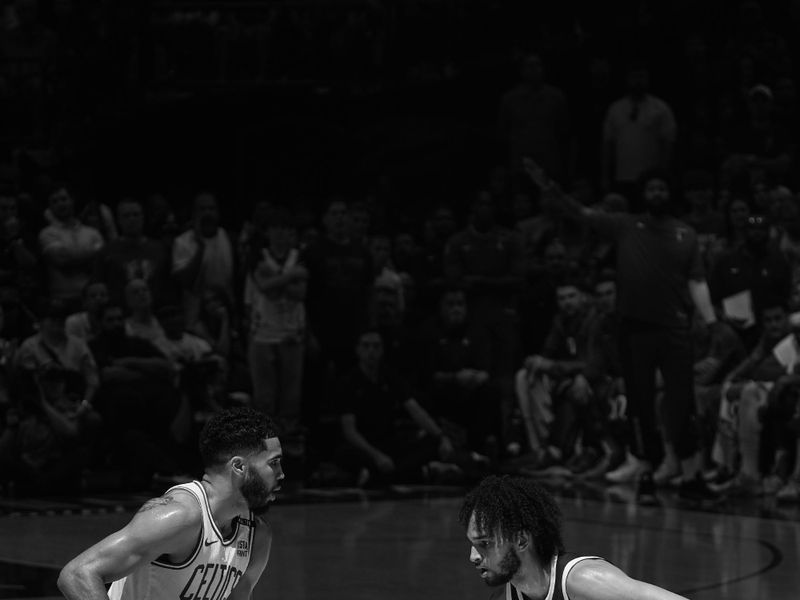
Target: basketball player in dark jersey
205 539
514 526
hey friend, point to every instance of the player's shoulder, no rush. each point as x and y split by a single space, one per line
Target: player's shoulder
177 507
586 572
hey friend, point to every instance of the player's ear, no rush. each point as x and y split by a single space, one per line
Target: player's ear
523 541
237 465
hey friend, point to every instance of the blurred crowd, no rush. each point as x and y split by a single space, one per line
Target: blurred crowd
482 333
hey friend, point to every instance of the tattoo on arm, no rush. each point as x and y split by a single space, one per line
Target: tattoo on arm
154 502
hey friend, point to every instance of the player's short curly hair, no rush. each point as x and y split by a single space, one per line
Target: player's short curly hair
234 431
509 505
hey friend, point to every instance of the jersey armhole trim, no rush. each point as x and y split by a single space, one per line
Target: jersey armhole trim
198 544
568 567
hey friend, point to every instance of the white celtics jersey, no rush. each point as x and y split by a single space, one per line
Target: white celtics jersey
210 573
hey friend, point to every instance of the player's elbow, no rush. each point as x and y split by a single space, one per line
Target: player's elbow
70 578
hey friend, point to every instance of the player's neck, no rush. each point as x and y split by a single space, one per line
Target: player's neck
225 502
533 579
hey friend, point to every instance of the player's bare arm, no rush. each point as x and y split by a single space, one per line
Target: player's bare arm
600 580
262 544
169 525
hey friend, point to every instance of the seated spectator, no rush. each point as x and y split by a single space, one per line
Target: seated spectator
135 256
553 392
203 256
141 322
99 216
745 393
18 260
488 261
69 248
454 358
278 328
381 422
715 357
48 438
137 398
52 345
339 278
753 271
85 325
8 350
214 322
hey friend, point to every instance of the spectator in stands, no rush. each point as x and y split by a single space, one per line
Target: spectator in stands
99 216
604 372
86 324
488 261
360 223
203 256
698 191
214 323
553 392
744 393
340 275
714 357
142 322
534 120
52 345
658 287
754 142
380 422
753 271
137 398
135 256
47 443
453 360
278 329
638 135
18 261
68 247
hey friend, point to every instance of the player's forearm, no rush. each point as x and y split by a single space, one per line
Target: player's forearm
701 297
78 584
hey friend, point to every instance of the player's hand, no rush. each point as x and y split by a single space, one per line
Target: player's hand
538 175
384 463
446 449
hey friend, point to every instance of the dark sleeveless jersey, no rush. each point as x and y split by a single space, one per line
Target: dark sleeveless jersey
560 567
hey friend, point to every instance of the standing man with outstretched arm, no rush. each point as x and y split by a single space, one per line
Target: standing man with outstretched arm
661 281
204 539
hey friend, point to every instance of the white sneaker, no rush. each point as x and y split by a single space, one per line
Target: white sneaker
628 472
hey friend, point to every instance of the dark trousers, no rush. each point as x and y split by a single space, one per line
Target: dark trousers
646 348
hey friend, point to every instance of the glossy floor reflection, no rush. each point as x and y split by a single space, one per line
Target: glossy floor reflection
402 549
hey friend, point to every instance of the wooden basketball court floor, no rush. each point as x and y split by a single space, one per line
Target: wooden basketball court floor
409 545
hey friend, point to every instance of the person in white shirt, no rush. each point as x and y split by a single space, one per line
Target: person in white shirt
86 324
638 134
203 256
68 248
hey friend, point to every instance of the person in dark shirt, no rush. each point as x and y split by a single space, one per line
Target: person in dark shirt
454 358
556 404
380 422
755 269
135 256
137 398
340 273
513 526
661 281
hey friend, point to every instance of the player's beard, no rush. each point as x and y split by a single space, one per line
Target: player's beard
508 567
256 493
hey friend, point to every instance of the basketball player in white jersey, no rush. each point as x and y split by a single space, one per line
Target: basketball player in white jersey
514 526
201 540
